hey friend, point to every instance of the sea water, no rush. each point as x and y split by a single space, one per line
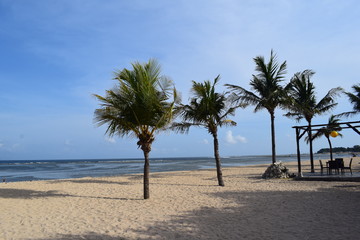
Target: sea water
29 170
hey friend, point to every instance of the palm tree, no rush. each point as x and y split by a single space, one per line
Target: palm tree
210 110
302 102
138 106
268 93
355 100
333 125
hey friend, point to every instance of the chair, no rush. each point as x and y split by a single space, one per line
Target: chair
322 168
340 163
333 165
349 167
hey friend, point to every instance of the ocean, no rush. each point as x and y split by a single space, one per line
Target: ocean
32 170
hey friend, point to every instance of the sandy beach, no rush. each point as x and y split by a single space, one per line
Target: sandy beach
182 205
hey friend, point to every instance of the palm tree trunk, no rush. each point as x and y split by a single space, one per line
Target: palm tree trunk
146 174
330 145
217 160
273 146
311 147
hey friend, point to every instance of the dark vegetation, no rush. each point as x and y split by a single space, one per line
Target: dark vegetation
355 148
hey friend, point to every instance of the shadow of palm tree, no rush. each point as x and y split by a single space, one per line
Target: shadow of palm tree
87 236
90 181
268 215
30 194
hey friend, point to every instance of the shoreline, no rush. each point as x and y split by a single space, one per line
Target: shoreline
291 165
182 205
52 170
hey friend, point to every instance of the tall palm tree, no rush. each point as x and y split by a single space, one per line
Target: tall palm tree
355 100
210 110
268 93
303 102
140 105
333 125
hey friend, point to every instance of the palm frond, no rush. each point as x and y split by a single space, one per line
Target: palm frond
354 98
242 96
347 114
301 100
328 102
207 107
333 125
139 104
183 127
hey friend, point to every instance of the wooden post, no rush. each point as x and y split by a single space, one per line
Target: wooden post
298 152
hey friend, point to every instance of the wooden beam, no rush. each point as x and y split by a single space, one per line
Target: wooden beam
353 128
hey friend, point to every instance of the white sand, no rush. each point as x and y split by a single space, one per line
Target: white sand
182 205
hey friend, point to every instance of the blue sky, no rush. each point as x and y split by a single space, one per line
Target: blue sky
56 53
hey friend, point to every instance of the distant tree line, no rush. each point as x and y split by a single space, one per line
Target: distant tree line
355 148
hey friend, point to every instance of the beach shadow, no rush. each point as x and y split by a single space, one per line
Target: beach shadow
87 236
97 181
267 215
31 194
348 186
136 177
28 194
185 184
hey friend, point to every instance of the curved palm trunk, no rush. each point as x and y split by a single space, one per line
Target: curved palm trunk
217 160
330 145
146 150
273 146
311 147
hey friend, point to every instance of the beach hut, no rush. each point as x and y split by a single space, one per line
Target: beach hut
301 130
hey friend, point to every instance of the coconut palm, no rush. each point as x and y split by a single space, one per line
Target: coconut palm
355 100
140 105
333 125
268 92
210 110
303 102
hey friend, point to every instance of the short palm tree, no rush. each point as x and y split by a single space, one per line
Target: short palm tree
140 105
302 102
210 110
355 100
333 125
268 93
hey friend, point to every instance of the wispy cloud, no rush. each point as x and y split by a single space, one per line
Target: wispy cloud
230 138
9 147
68 142
110 139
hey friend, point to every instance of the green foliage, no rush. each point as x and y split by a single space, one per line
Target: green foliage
355 148
354 99
302 101
333 125
207 108
266 85
139 104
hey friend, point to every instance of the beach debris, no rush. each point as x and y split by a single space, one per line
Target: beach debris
276 170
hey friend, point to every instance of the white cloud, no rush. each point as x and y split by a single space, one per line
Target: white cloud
110 140
234 139
205 141
68 142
